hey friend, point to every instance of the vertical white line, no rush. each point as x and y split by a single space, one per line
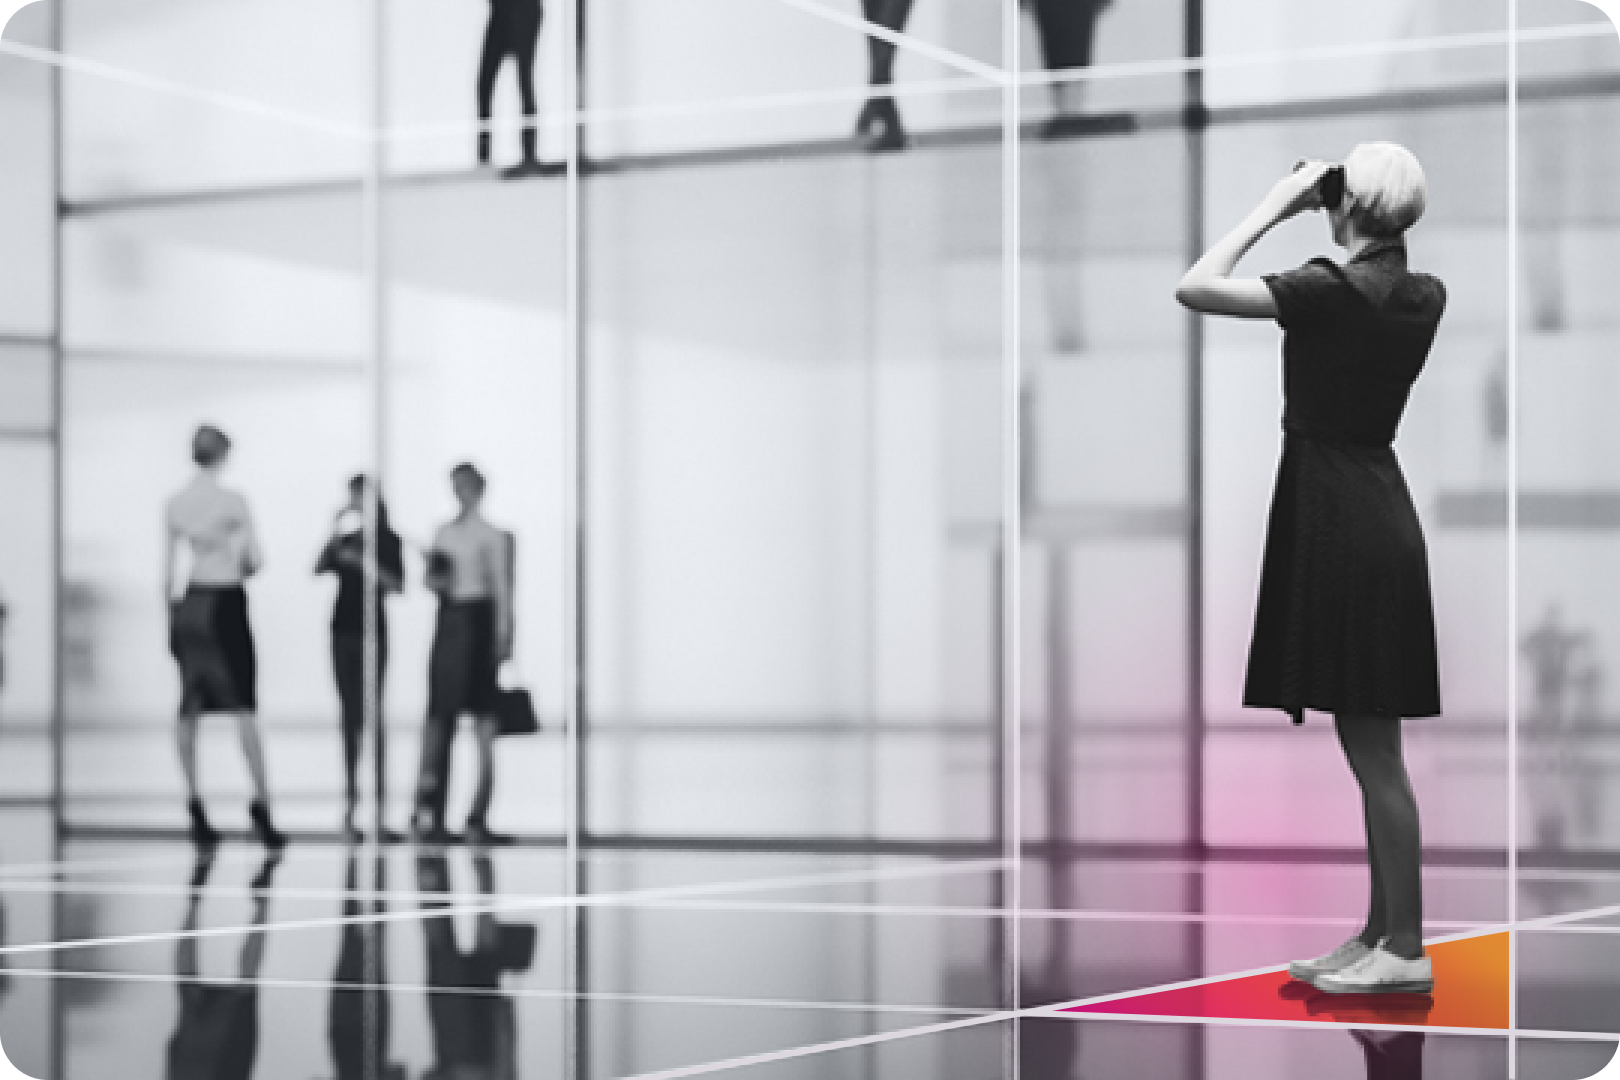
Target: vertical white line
371 710
58 99
1012 512
372 256
1512 486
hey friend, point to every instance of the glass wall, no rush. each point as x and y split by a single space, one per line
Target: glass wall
1565 637
876 509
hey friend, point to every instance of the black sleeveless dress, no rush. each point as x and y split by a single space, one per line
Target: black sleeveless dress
1344 622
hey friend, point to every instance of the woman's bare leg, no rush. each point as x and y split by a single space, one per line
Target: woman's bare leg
1372 746
1375 928
488 729
185 737
879 120
247 728
891 15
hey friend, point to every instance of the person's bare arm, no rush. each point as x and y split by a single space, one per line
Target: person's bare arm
252 553
1209 286
503 596
171 540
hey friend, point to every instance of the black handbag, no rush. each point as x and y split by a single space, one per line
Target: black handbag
514 712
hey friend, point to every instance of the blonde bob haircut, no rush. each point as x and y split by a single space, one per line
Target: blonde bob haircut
1385 187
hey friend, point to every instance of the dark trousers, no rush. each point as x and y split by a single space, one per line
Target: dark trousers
349 667
461 679
1067 29
514 30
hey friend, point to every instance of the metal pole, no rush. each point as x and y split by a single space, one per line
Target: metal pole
576 493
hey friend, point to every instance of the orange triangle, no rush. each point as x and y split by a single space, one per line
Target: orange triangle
1470 990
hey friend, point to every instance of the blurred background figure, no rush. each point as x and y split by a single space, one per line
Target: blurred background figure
216 1036
474 1024
513 30
358 1022
470 568
209 634
345 556
1067 29
1555 771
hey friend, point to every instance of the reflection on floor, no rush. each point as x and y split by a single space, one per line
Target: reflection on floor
136 959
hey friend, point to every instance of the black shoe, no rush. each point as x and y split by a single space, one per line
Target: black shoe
478 834
879 126
1077 125
533 167
266 833
203 834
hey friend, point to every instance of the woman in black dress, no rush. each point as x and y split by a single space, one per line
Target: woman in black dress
1344 622
345 556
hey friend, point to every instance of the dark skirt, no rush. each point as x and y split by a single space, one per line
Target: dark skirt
210 639
1344 623
462 668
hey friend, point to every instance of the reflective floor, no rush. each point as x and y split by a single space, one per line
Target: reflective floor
135 958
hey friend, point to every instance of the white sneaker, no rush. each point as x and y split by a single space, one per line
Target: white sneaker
1351 952
1380 972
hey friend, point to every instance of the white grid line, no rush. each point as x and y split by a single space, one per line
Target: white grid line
521 993
907 42
1511 660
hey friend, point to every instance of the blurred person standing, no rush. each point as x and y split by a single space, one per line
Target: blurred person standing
470 569
1067 31
513 30
345 556
209 634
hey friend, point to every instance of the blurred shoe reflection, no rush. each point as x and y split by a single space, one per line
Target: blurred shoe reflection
1410 1009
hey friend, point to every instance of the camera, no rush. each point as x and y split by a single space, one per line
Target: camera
1330 188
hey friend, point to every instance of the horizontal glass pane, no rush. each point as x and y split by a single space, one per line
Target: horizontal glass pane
794 461
172 96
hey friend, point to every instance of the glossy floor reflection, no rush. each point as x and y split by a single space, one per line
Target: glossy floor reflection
137 959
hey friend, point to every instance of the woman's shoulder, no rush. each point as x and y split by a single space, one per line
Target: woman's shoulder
1422 293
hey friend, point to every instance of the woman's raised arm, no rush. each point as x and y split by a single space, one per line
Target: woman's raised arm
1209 286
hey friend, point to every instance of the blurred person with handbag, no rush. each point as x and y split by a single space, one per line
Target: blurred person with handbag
470 569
